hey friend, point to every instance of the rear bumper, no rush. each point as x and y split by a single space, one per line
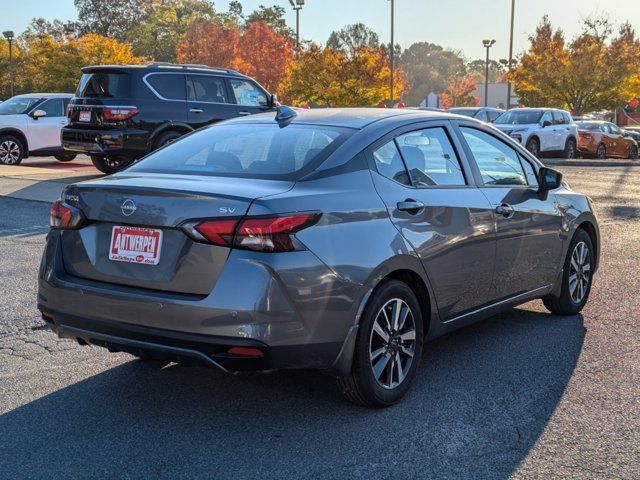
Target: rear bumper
128 142
297 320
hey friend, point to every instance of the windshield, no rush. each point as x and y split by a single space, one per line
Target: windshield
17 105
519 117
250 150
468 112
103 85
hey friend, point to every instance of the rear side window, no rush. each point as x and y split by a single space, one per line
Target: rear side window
430 158
168 85
558 118
498 163
207 88
389 163
493 115
246 151
567 117
104 85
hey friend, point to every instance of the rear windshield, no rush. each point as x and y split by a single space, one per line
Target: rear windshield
17 105
249 150
468 112
519 117
103 85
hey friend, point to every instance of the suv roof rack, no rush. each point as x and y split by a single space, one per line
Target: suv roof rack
186 66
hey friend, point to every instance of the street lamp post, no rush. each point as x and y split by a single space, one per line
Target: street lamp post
513 8
297 6
9 36
487 44
391 54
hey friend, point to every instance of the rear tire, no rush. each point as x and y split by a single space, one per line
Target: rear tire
388 347
577 277
533 145
166 138
633 153
110 165
11 150
65 157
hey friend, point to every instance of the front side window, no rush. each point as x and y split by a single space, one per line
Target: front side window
389 163
248 94
246 151
615 129
207 88
498 163
547 117
168 85
53 107
430 158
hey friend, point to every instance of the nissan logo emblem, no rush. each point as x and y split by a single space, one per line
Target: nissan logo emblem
128 207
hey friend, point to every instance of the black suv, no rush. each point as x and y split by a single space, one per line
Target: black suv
120 113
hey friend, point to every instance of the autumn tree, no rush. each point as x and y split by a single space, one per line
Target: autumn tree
592 72
274 18
353 37
208 44
460 92
333 78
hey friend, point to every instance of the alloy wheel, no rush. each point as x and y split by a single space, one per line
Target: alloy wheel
571 150
579 272
392 343
9 152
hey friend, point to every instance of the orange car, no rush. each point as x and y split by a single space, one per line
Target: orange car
604 139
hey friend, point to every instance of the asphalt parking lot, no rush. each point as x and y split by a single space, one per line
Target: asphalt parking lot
523 395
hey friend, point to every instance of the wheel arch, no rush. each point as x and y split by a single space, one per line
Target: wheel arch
182 128
591 230
19 135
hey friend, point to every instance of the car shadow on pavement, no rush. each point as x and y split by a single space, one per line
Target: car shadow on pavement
481 399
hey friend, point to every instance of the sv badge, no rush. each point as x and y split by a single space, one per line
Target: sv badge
227 209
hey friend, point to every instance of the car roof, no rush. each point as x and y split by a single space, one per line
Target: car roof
43 95
357 118
164 67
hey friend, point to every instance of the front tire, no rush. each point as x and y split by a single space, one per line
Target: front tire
533 145
576 278
11 150
601 153
110 165
570 149
388 347
633 153
65 157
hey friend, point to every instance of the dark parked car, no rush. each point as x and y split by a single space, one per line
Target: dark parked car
336 239
485 114
121 113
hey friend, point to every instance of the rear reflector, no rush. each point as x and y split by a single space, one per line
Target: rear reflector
245 352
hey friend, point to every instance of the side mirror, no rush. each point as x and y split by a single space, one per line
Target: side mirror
549 179
273 100
546 124
38 114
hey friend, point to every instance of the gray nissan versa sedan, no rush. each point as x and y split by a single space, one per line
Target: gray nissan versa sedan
337 239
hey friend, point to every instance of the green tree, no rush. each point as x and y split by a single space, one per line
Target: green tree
429 68
477 68
274 18
351 38
111 18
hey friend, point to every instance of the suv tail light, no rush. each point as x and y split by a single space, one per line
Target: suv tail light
119 113
63 216
263 234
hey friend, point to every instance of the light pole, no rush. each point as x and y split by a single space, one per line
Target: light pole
9 36
510 64
513 8
297 6
391 54
487 44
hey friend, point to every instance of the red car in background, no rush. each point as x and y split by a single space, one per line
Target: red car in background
604 139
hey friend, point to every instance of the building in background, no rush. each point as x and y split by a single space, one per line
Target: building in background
497 95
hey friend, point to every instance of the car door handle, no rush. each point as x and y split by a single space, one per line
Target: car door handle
505 210
411 206
195 110
244 112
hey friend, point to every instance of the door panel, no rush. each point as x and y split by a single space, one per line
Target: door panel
548 136
208 100
45 131
528 224
450 225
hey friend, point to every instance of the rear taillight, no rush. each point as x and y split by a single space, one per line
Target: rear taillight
263 234
119 113
63 216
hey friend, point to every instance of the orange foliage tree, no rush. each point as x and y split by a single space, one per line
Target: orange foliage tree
258 52
460 92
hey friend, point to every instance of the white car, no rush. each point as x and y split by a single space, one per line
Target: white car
541 130
30 125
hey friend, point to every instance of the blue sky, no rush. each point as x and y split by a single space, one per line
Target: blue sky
459 24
